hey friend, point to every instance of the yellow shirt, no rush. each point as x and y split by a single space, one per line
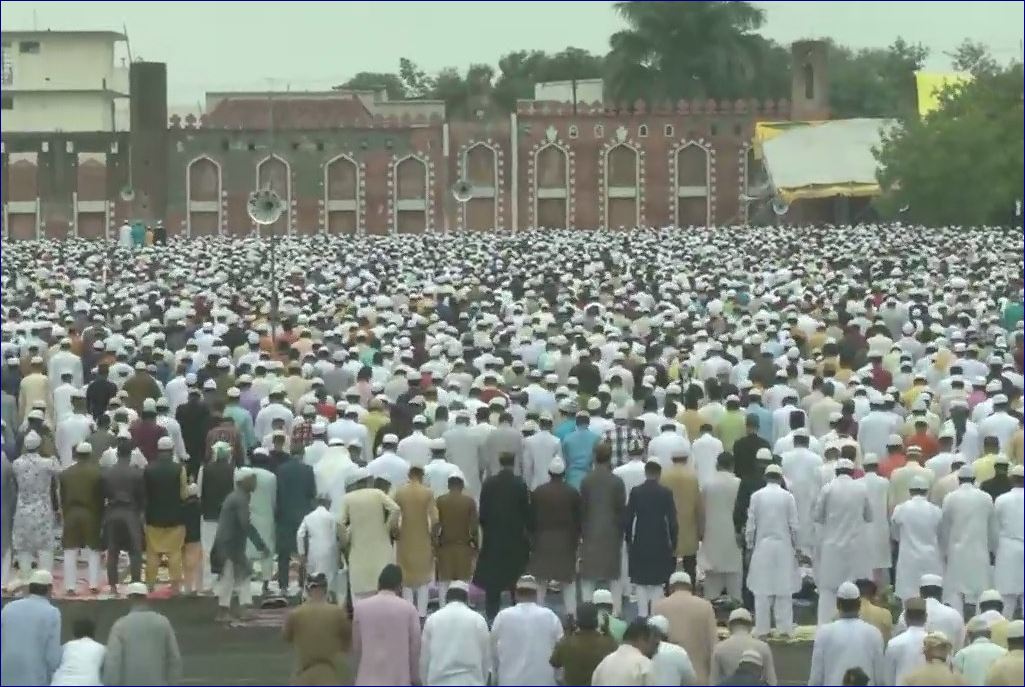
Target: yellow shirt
984 469
1016 448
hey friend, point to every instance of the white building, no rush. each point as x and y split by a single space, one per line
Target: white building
64 81
588 91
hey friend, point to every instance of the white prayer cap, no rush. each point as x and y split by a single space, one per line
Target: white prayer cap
244 379
209 385
740 615
990 596
137 589
894 440
318 428
223 363
527 582
679 577
36 415
999 399
192 489
845 464
1018 471
763 454
930 580
32 441
41 577
390 439
459 585
773 469
165 443
919 484
419 420
870 459
601 597
233 392
848 591
84 447
557 466
660 623
1016 629
966 472
149 405
993 386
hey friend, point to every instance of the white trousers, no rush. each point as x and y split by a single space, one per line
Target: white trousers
43 558
5 572
827 605
587 587
418 596
957 600
71 568
207 532
341 585
1011 601
782 606
646 596
716 582
227 585
569 596
266 565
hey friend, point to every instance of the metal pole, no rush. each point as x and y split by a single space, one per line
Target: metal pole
273 239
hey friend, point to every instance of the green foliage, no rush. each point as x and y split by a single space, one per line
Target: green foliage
963 163
376 81
874 82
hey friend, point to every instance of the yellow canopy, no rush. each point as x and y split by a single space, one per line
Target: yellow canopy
930 84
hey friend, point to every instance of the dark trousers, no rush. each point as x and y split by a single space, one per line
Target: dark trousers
748 597
690 566
493 602
124 534
286 547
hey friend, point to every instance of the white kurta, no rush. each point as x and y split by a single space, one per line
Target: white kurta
522 639
802 469
877 533
719 550
903 654
71 431
261 511
1008 573
843 644
317 539
842 512
704 453
964 536
771 536
455 648
915 526
538 452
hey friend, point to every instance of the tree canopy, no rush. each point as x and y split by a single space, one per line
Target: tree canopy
962 163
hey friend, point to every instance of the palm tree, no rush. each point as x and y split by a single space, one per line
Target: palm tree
674 50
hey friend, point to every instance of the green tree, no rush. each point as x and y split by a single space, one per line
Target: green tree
973 58
416 82
874 82
376 81
519 71
962 163
674 50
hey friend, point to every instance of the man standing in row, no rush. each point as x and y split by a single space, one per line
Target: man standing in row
651 536
81 490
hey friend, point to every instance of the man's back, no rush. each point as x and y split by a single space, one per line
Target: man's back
142 650
455 647
727 653
692 626
30 641
320 632
386 640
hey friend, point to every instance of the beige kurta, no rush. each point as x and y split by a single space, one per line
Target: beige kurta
414 552
684 484
35 387
367 518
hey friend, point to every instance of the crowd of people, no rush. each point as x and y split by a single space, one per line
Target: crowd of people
588 419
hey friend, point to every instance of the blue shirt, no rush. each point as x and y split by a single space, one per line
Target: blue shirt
244 421
30 641
764 421
564 428
578 449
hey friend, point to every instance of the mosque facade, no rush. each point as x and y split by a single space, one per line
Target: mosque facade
342 164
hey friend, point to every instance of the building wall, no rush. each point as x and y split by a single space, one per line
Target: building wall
588 91
65 61
680 164
38 111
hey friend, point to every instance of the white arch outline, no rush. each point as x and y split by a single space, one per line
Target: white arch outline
638 158
188 194
537 179
464 168
288 189
709 190
327 199
422 159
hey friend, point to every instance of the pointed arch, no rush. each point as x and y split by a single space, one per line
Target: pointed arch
552 172
692 192
621 168
344 187
410 194
204 214
480 163
281 185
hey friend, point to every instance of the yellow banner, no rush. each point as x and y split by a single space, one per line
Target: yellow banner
931 84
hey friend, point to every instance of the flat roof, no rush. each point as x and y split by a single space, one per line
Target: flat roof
109 35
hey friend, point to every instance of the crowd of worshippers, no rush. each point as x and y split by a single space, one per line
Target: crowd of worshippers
763 410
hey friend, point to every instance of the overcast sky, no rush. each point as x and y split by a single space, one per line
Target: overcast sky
310 45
